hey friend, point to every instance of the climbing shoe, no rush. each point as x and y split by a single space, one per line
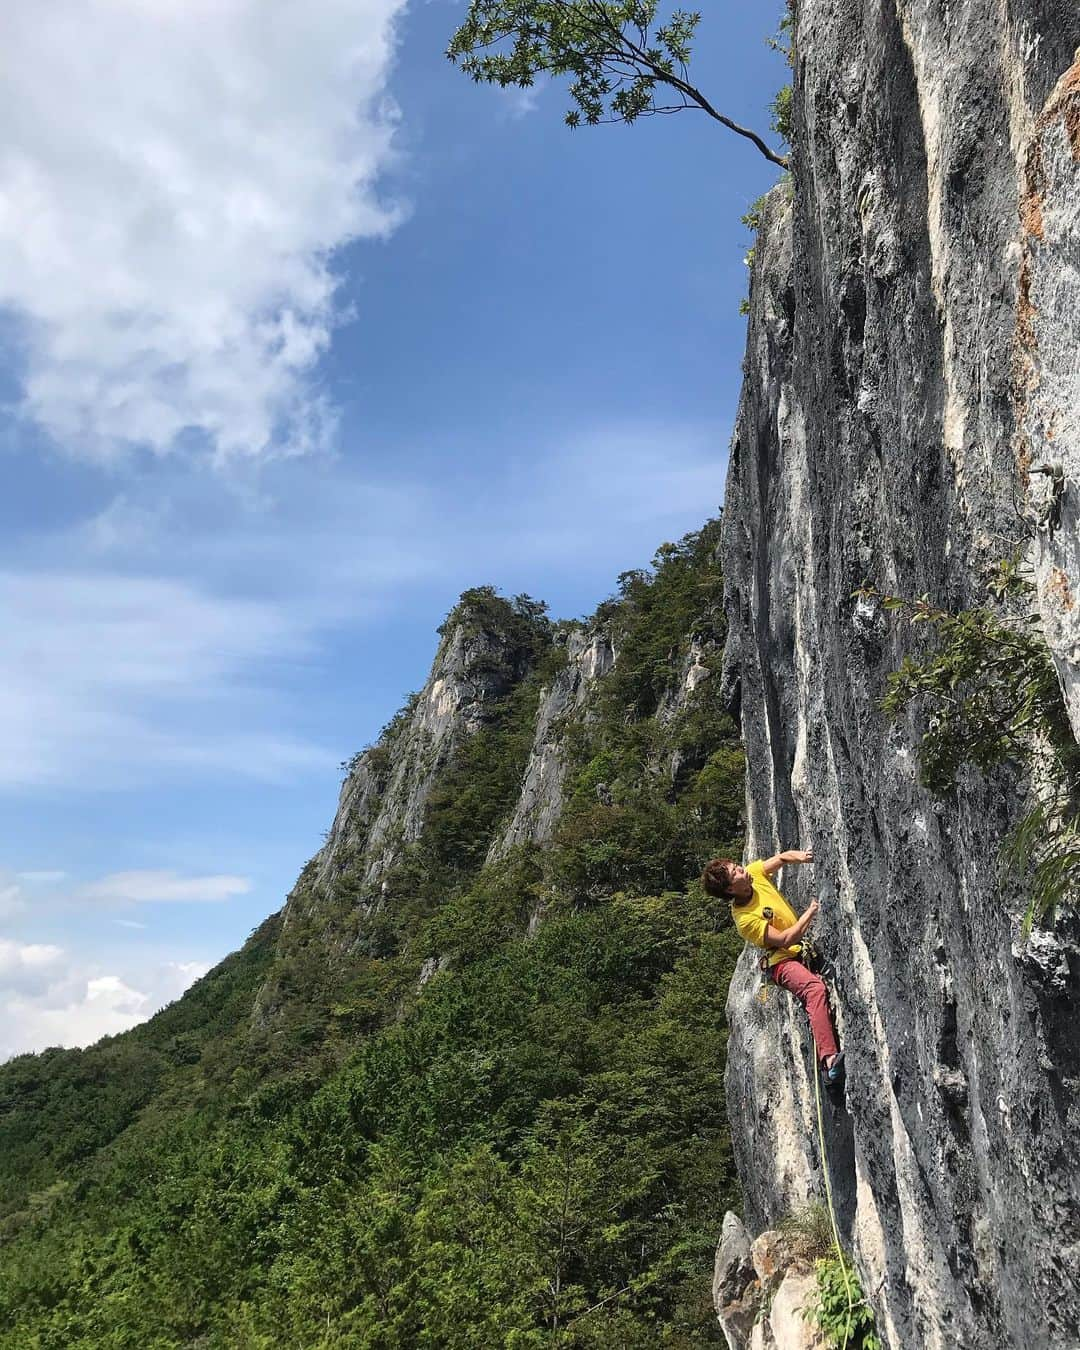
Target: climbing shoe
833 1076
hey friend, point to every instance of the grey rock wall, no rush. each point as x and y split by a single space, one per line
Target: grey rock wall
590 656
1048 369
382 801
912 350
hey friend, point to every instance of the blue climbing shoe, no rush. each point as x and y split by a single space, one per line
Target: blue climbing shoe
833 1076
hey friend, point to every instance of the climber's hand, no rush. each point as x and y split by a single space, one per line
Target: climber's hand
776 939
790 855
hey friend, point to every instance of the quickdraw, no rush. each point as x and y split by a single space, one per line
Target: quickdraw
811 957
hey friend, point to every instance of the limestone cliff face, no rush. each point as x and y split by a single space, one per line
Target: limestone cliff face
589 657
537 688
1048 371
381 806
382 800
912 359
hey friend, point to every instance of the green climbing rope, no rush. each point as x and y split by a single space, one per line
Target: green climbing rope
829 1196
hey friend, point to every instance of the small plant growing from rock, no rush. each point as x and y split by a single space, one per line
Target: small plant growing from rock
781 109
840 1308
808 1232
992 694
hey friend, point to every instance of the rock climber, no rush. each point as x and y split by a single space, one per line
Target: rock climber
765 919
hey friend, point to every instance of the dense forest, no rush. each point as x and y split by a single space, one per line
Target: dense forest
480 1103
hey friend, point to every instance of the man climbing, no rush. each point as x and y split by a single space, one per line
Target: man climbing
764 918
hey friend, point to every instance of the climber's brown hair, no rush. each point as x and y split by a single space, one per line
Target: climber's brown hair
716 879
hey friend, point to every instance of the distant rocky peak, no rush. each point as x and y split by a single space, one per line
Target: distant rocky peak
589 657
487 646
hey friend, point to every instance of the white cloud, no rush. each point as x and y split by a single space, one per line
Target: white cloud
27 966
176 178
110 993
17 956
155 887
11 900
21 891
185 973
109 678
177 630
518 103
50 997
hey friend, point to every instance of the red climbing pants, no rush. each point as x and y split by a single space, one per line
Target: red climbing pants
809 989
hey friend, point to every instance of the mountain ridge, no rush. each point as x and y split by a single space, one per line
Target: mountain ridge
496 973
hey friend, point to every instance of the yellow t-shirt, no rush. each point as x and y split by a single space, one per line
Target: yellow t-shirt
766 906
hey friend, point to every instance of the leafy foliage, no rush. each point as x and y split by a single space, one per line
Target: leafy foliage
782 106
57 1109
1044 848
619 61
781 112
659 781
481 609
538 1135
991 684
840 1308
993 697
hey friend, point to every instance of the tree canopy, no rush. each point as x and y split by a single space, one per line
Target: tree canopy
621 63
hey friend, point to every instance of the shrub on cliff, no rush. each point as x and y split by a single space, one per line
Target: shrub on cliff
989 687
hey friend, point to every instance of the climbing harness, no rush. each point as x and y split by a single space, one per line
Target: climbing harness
811 957
763 962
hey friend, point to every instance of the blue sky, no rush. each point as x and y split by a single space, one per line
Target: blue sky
305 334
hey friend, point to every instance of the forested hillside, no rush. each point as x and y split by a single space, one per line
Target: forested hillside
466 1089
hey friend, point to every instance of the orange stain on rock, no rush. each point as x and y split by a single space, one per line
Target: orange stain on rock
1058 588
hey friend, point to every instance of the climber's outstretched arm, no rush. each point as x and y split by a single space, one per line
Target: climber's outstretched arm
791 855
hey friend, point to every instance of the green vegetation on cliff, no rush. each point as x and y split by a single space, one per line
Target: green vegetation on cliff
989 684
479 1104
